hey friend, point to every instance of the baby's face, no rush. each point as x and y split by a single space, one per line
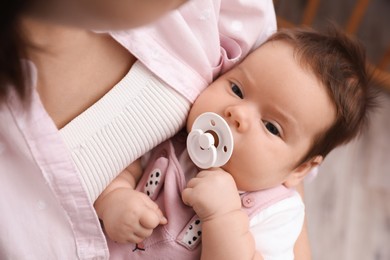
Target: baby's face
275 109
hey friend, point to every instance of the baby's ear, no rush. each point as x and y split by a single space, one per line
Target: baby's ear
299 173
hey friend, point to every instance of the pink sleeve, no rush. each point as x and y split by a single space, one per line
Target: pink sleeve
243 26
192 45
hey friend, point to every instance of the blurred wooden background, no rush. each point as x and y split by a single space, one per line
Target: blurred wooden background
348 204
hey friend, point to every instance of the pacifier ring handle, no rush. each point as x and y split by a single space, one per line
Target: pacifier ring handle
206 140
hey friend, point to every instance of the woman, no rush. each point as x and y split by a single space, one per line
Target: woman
53 70
45 211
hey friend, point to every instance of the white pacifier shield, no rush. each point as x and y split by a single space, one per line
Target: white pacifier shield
201 142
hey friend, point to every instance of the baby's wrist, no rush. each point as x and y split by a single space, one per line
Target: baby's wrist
109 200
223 215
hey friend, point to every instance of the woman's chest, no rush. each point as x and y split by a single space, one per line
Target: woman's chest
74 78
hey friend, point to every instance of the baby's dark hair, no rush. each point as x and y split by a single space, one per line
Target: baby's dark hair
339 62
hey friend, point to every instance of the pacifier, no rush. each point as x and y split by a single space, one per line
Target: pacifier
210 142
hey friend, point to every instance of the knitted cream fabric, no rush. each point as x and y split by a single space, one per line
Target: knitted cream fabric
137 114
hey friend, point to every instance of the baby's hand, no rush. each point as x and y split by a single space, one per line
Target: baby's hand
130 216
212 193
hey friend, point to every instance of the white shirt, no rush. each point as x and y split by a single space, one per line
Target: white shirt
277 227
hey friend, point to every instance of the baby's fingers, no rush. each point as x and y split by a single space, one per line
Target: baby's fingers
129 234
134 238
152 218
152 206
186 196
194 182
163 220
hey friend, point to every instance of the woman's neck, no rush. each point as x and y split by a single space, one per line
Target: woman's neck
75 67
52 40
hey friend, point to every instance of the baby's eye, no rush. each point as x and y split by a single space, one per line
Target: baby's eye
272 128
237 91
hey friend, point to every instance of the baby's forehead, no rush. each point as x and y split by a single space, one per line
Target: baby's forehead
269 49
279 53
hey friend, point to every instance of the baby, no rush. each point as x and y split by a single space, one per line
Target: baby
288 104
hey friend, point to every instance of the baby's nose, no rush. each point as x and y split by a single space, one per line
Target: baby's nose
239 117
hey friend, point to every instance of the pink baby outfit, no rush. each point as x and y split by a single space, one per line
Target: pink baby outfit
164 179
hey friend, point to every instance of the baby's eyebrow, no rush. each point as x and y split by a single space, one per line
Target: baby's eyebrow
246 75
289 123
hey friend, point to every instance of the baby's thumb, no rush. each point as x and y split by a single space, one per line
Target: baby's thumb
186 196
163 220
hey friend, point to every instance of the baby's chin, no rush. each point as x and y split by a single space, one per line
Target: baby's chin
243 186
